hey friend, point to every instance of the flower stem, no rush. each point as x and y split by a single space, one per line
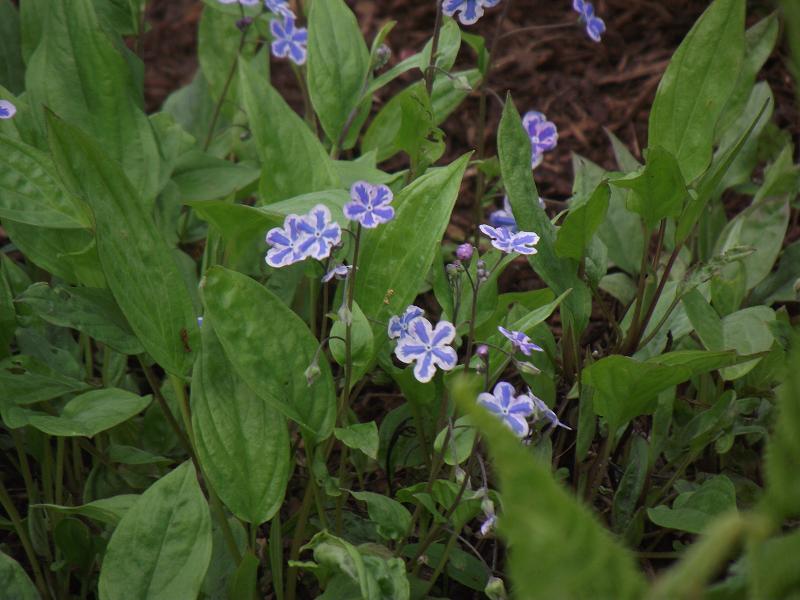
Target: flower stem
218 107
430 72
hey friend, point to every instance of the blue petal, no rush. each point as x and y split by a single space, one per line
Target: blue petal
489 403
443 334
446 357
421 329
280 48
504 392
353 210
298 53
424 369
384 213
368 220
360 192
518 425
383 195
409 351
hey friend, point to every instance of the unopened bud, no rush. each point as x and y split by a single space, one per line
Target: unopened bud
526 367
312 372
495 589
382 56
464 252
345 314
243 23
483 351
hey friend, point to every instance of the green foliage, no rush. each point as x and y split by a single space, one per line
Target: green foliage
162 545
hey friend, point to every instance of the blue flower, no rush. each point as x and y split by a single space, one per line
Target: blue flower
520 341
399 324
289 41
279 7
543 135
504 217
522 242
595 27
511 409
542 411
285 242
7 110
428 348
469 11
339 272
369 204
242 2
321 234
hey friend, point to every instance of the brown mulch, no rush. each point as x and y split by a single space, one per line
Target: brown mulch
582 86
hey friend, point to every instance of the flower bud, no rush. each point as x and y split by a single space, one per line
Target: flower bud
526 367
464 252
243 23
495 589
483 351
312 372
481 264
382 56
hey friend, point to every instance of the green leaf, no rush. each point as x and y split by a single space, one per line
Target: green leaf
696 86
658 187
14 581
761 226
90 310
78 72
396 257
782 496
338 64
24 380
200 176
384 132
773 567
242 442
245 317
243 584
362 343
630 488
583 220
693 511
559 274
8 316
105 510
12 69
782 284
161 548
139 267
391 517
70 254
626 388
294 161
460 442
83 416
376 577
360 436
30 191
538 515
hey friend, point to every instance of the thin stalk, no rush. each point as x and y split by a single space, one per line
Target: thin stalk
308 107
315 491
442 562
173 423
348 332
47 472
537 28
297 539
25 467
480 180
59 493
275 552
473 313
430 72
598 468
633 334
661 284
22 533
228 80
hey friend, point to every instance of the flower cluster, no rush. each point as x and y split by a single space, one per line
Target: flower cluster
310 235
468 11
7 109
418 341
521 242
504 217
542 133
595 27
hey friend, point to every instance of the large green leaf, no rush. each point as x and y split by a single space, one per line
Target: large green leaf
78 73
581 223
14 581
90 310
12 69
294 161
338 64
161 547
392 518
693 511
104 510
201 176
396 257
658 188
139 266
696 86
560 274
626 388
539 515
30 191
25 380
270 347
85 415
242 442
783 451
